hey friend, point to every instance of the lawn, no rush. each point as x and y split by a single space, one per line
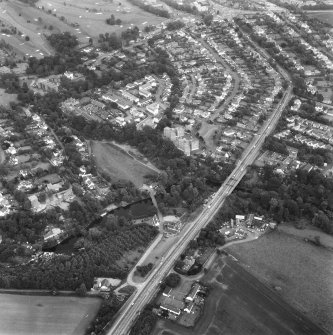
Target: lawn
46 315
6 98
300 271
118 164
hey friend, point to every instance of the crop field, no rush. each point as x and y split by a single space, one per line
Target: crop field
118 164
46 315
301 272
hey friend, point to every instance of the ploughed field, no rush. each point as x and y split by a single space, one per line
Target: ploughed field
46 315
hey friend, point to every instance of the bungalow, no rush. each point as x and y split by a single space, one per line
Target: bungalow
173 306
189 307
193 293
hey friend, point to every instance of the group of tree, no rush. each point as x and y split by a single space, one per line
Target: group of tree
63 43
67 56
112 21
106 312
150 8
145 323
172 280
182 7
175 25
143 270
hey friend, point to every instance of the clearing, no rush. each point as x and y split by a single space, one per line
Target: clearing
300 272
118 164
46 315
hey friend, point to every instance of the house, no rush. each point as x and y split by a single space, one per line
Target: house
53 233
153 108
105 284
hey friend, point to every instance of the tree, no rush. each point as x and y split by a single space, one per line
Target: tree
81 290
172 280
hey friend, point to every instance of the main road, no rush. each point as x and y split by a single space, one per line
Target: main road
148 289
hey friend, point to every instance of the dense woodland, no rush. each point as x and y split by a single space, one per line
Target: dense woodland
98 258
291 198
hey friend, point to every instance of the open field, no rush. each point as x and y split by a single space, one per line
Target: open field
300 271
46 315
6 98
119 165
238 304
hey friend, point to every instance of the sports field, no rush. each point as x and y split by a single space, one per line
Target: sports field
118 164
91 15
46 315
85 19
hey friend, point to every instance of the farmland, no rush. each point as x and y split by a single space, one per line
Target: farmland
46 315
118 164
300 271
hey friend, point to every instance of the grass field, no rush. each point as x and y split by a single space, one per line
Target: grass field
46 315
302 271
118 164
